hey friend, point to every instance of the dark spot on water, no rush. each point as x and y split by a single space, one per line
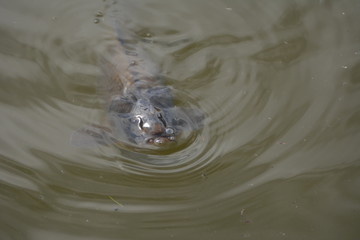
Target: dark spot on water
130 53
58 41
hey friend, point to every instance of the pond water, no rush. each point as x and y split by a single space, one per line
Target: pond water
278 156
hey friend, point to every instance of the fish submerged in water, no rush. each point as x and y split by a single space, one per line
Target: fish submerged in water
141 110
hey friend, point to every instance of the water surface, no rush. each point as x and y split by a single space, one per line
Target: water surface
278 156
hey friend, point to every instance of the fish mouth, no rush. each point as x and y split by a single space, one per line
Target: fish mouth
161 141
158 135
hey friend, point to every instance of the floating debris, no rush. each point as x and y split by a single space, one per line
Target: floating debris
112 199
99 14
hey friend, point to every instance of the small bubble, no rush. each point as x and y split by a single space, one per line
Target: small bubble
344 67
242 211
169 131
246 235
99 14
159 141
96 20
203 175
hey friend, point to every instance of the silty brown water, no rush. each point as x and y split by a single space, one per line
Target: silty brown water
277 157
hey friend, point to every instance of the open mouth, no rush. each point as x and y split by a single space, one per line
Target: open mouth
167 137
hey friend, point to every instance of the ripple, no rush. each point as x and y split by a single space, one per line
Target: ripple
278 83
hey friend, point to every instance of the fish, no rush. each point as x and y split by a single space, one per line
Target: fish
141 110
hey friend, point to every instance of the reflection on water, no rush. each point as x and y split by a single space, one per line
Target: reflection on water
278 156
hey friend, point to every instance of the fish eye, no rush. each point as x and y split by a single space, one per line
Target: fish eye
141 123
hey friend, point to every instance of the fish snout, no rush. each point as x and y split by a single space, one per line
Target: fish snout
161 136
160 141
154 129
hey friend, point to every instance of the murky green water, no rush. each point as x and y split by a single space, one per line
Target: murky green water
278 157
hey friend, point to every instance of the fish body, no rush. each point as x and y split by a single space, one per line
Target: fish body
140 108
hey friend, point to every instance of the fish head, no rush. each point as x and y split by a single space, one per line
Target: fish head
150 122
